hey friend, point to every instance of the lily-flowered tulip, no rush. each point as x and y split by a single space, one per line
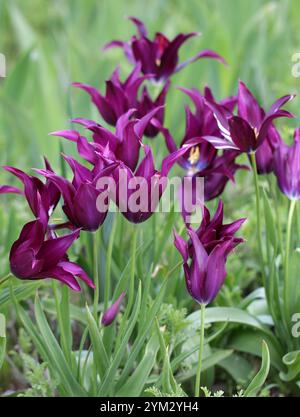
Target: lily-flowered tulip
42 198
266 152
247 131
200 123
111 313
80 196
287 167
205 254
123 145
34 257
123 96
138 192
203 160
158 57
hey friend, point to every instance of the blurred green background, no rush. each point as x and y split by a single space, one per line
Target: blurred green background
49 44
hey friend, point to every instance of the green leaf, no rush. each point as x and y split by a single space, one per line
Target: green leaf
232 315
213 359
260 378
136 382
269 221
249 341
99 352
111 371
21 292
56 354
143 333
238 367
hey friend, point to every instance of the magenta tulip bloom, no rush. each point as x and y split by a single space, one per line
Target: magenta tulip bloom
42 198
287 167
200 123
123 145
111 313
123 96
80 196
266 152
32 257
247 131
138 192
158 57
205 254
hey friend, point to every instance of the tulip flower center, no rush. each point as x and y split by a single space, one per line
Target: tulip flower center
194 155
158 61
256 132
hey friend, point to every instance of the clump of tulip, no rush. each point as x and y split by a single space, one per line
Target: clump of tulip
216 133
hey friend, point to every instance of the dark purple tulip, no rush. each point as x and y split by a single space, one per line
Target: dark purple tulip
212 231
32 257
247 131
42 198
123 145
147 181
80 196
200 123
158 57
265 153
111 313
287 167
123 96
205 254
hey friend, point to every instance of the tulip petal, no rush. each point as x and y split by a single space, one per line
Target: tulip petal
53 250
206 53
242 134
111 313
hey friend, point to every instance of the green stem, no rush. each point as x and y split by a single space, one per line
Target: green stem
4 279
96 273
108 263
63 340
198 375
258 222
287 253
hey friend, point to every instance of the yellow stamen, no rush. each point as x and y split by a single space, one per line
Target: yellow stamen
158 62
194 155
256 132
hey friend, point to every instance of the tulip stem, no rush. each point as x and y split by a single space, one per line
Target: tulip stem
287 252
258 222
4 279
198 375
108 263
96 273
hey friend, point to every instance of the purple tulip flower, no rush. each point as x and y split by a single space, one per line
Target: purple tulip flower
111 313
203 160
146 181
80 196
158 57
247 131
123 145
123 96
287 167
42 198
266 152
32 257
205 254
